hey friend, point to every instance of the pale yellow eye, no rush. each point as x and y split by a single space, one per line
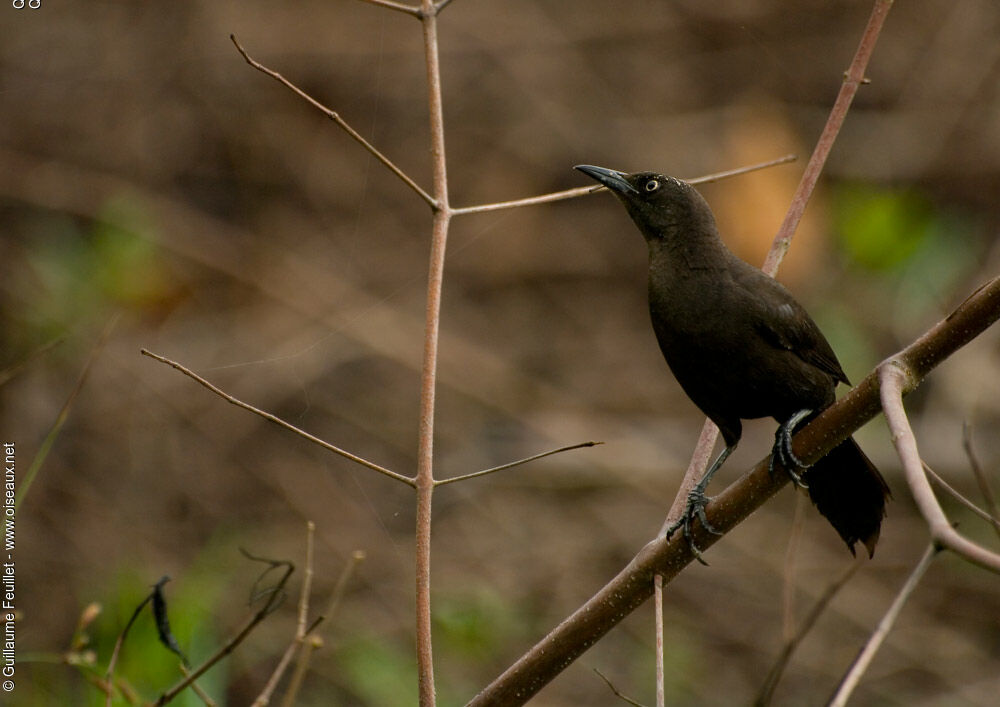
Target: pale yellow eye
652 185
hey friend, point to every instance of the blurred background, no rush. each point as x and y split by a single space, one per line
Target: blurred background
150 177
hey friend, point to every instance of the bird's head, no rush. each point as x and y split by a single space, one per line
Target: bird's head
659 205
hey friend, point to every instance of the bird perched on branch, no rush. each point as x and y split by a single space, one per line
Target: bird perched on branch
742 347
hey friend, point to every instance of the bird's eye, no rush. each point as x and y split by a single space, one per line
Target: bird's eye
652 185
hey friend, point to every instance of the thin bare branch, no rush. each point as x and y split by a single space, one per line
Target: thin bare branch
264 698
789 571
661 686
584 191
16 369
233 642
278 421
864 659
981 479
895 377
725 174
854 77
615 690
441 4
335 117
310 639
484 472
951 490
401 7
774 675
529 201
53 434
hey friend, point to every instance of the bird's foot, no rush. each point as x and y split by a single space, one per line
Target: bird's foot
782 450
697 500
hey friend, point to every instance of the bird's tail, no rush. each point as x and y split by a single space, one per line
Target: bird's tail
851 493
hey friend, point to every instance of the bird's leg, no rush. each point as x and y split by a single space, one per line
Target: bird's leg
782 450
697 500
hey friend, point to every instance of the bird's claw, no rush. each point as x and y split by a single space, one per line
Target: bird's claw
782 450
697 500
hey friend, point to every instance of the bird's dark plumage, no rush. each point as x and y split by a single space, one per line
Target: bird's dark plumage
740 345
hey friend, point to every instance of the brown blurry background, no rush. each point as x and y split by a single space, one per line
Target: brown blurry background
147 172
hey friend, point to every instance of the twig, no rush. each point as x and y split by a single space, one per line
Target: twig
584 191
791 560
15 369
661 687
861 663
725 174
774 675
408 9
948 488
335 117
634 583
230 645
278 421
896 377
202 695
109 674
441 4
46 446
977 471
614 689
484 472
854 77
264 697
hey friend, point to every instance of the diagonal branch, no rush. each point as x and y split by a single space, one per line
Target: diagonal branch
584 191
948 488
278 421
896 378
335 117
509 465
634 584
401 7
864 658
854 77
977 471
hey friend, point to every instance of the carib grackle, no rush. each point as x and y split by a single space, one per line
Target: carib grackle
741 347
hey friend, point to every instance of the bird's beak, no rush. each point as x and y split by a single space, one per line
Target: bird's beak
611 178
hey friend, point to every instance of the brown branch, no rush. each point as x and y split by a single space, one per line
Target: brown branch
335 117
401 7
616 691
854 77
949 489
977 471
281 423
274 597
428 371
264 698
896 378
584 191
774 675
864 658
510 465
634 584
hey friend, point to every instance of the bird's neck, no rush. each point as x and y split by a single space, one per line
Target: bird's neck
689 249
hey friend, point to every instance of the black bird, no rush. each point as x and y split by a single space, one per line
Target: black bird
742 347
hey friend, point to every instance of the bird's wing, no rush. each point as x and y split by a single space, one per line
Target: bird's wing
785 324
